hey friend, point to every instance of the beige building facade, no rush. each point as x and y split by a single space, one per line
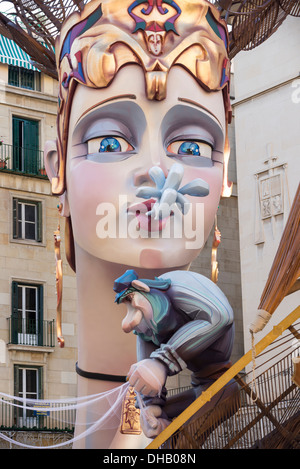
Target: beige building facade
32 364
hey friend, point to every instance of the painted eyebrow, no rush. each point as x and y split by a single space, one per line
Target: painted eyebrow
194 103
107 100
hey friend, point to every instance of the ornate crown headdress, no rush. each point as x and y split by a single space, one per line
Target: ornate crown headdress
34 24
94 44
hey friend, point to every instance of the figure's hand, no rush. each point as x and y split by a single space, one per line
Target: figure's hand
151 424
148 376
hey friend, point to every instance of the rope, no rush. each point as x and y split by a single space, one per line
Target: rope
253 382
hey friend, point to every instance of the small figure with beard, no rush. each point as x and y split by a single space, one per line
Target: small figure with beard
182 320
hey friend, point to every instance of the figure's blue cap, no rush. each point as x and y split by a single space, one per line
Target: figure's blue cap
122 283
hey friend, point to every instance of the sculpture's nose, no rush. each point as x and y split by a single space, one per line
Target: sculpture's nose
132 319
143 178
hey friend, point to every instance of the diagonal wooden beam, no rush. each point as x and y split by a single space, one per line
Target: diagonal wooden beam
224 379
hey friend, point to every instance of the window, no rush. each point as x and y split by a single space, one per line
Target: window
24 78
27 157
27 220
28 385
27 314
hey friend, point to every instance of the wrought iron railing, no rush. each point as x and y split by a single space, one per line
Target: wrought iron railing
27 331
22 418
265 415
175 391
22 160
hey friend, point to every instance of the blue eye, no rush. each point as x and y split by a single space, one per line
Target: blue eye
192 148
109 147
189 148
109 144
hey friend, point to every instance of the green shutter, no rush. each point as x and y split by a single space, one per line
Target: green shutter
15 219
17 144
16 380
40 382
31 146
14 312
25 145
40 314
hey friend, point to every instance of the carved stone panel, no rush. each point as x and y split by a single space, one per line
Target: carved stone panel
271 196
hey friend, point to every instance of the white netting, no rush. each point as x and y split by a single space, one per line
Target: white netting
101 412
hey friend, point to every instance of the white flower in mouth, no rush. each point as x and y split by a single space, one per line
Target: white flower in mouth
167 191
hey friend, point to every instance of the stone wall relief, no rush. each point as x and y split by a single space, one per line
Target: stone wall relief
272 200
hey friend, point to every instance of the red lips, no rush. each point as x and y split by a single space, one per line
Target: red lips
146 222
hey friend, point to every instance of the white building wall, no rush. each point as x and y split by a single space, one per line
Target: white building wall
267 127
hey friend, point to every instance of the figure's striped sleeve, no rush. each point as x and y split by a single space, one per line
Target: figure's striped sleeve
210 316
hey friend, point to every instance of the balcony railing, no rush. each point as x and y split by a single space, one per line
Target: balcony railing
19 418
26 331
22 160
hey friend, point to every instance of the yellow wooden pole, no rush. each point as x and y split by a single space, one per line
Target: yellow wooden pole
223 380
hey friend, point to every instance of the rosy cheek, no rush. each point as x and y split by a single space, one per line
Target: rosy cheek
89 185
93 183
213 176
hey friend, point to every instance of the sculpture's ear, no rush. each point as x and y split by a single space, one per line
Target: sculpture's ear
51 159
51 167
140 286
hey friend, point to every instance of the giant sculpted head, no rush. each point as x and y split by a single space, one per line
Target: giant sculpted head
143 94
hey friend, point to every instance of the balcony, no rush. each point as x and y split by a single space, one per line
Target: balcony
20 160
22 418
30 332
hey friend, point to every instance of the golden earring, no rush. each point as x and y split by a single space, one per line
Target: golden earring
215 245
59 282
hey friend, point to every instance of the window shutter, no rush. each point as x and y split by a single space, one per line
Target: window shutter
30 145
17 410
39 222
15 219
40 314
40 383
16 380
17 144
14 302
14 312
